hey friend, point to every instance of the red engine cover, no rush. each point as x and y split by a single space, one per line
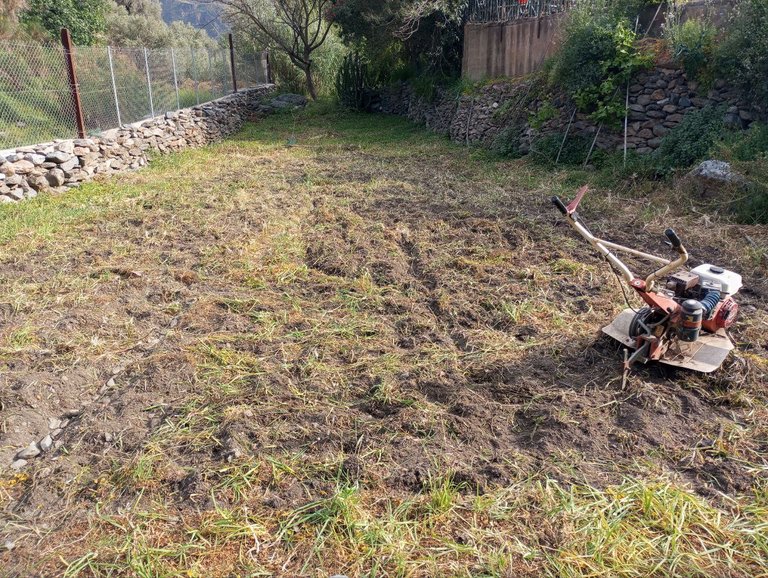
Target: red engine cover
725 315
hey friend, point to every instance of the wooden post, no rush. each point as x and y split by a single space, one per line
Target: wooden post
232 63
269 67
66 41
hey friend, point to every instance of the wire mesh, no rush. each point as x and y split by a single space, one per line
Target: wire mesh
96 90
117 86
251 69
35 98
509 10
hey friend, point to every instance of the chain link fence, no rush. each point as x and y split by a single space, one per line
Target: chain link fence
482 11
117 86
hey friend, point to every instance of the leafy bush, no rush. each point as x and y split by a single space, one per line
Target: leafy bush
352 83
597 58
748 145
397 37
742 57
753 208
85 19
692 44
547 111
690 141
507 143
748 153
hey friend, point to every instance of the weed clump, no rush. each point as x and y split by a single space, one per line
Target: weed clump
690 141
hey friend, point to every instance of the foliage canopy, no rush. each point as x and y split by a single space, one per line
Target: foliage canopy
86 19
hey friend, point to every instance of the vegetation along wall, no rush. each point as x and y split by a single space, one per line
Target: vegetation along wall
659 99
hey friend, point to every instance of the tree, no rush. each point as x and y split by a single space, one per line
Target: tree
295 27
140 23
422 36
84 18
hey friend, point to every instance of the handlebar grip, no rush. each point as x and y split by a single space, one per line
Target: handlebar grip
673 238
560 205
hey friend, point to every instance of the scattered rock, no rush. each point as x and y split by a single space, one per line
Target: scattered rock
46 443
18 464
55 177
38 182
31 451
68 146
22 167
59 157
70 164
35 159
710 177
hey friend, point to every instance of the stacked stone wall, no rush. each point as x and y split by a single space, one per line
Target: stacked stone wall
658 101
56 166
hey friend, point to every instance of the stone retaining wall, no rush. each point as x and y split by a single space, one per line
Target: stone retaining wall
56 166
659 99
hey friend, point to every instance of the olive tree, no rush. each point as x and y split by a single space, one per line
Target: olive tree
295 27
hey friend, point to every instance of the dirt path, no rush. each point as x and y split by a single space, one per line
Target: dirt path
251 345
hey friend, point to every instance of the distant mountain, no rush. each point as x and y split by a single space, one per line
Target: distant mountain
197 14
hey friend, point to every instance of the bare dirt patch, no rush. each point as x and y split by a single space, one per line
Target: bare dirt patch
259 331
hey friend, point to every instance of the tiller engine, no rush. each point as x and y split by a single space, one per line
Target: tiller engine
687 313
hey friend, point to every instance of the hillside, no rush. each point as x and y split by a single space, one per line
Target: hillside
199 15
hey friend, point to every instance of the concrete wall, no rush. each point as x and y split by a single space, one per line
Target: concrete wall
511 49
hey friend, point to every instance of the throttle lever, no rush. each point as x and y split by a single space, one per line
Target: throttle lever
673 238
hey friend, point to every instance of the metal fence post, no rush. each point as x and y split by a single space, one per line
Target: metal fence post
175 79
66 41
223 72
114 85
149 83
269 67
194 75
210 71
232 63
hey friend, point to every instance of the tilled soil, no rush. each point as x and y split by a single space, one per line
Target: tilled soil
370 313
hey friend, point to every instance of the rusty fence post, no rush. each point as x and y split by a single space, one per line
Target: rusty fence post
232 63
66 41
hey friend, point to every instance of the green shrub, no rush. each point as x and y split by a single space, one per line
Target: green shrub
597 58
690 141
507 143
546 112
587 43
748 153
752 209
352 83
749 145
692 44
742 56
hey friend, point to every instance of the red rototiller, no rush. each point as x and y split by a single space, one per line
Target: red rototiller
687 313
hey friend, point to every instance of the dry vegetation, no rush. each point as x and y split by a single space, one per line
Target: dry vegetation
370 352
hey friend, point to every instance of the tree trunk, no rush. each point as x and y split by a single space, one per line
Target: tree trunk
310 82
